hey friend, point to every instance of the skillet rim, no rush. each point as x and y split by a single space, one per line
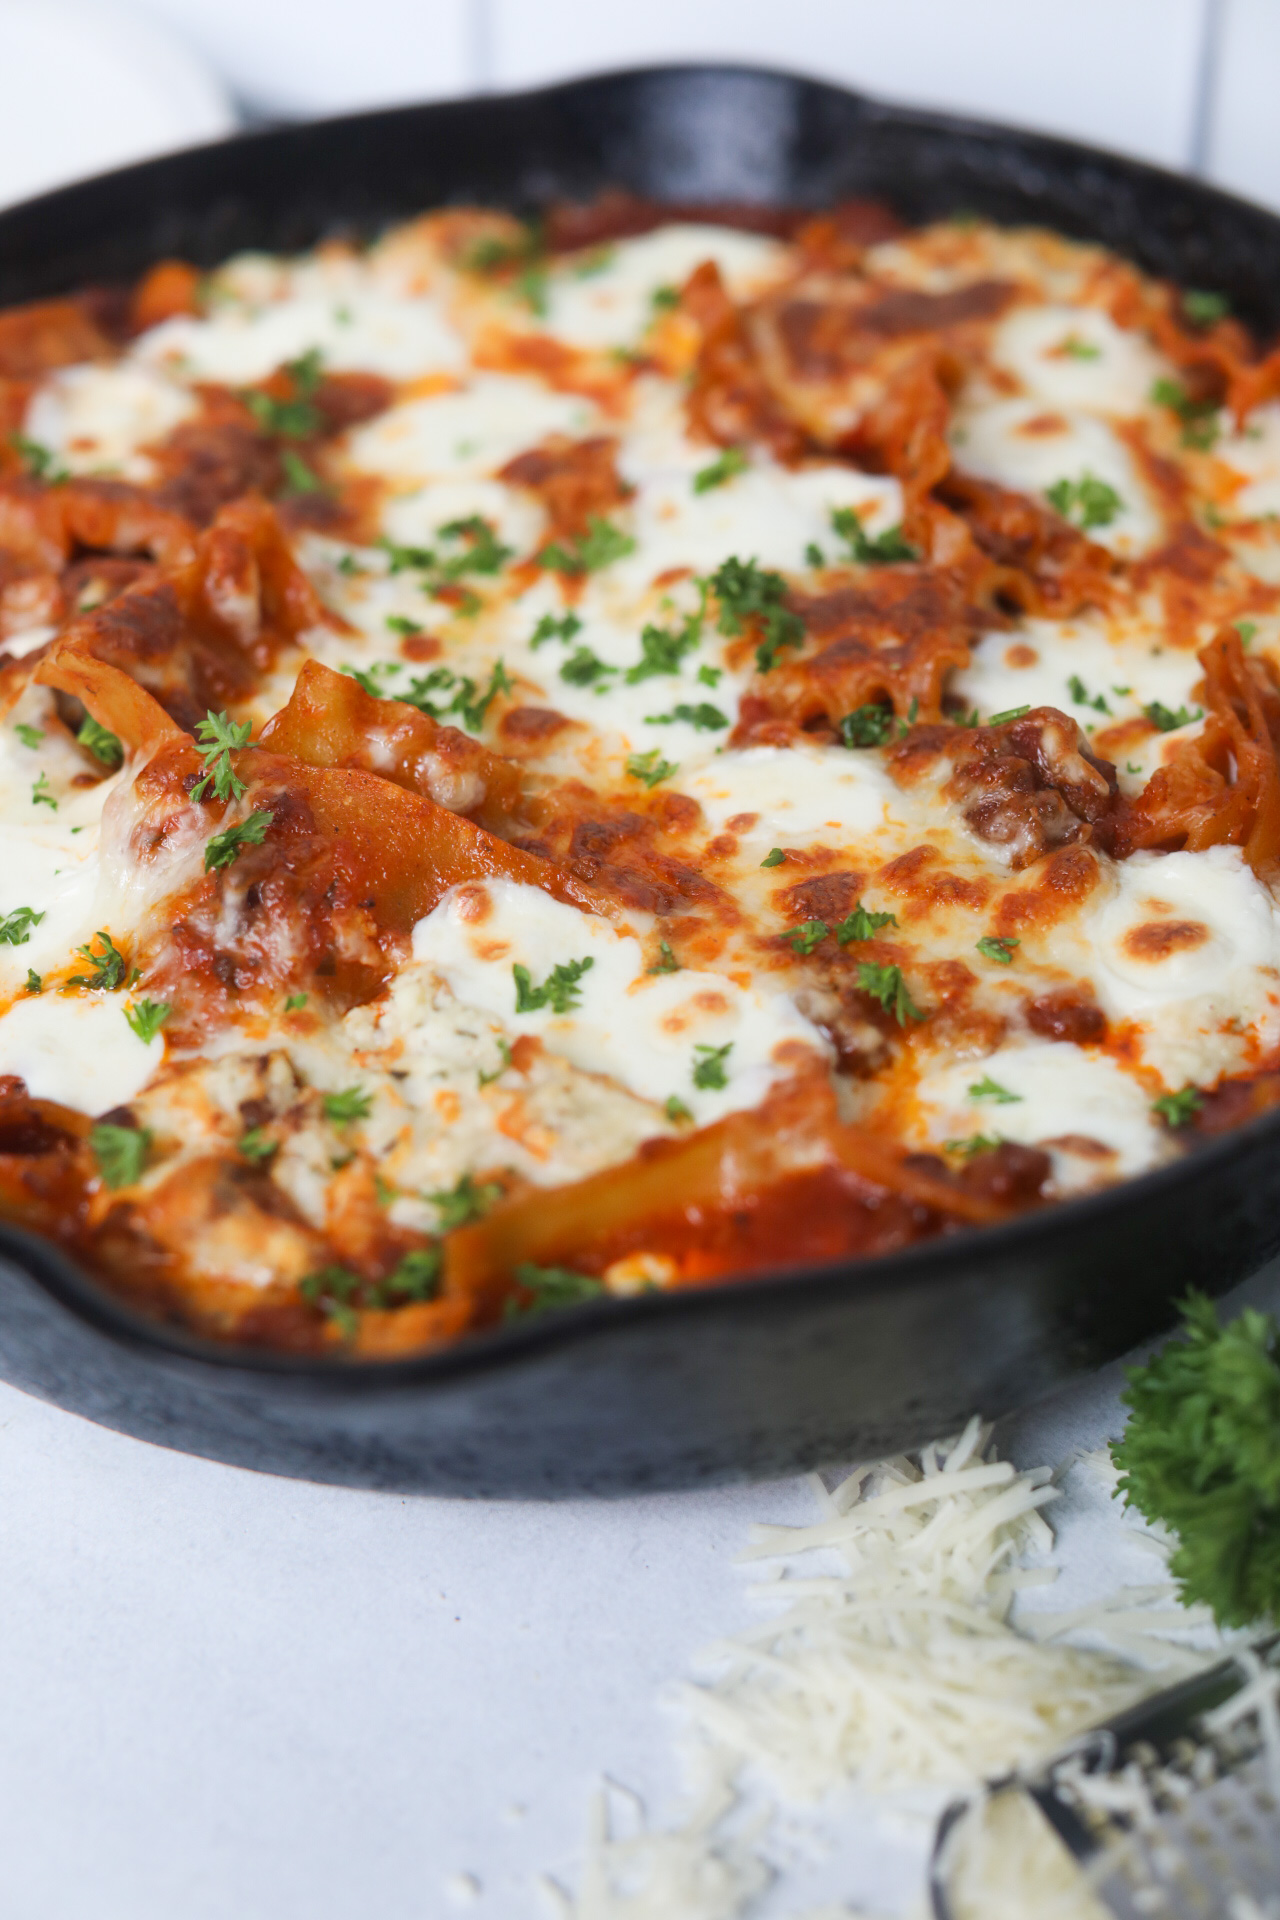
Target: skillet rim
497 1350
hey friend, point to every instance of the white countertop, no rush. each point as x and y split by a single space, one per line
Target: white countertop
230 1695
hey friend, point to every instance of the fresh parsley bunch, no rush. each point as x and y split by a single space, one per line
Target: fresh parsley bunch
1201 1452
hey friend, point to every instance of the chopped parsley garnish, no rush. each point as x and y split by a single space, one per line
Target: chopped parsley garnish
746 592
887 985
989 1089
39 461
709 1070
867 726
35 981
650 767
583 668
1201 1454
29 736
371 678
997 947
353 1103
464 1202
121 1153
676 1110
101 742
15 927
218 736
471 707
861 925
1087 502
147 1018
415 1277
774 857
1247 629
1199 417
225 848
1083 698
482 551
884 550
588 552
710 676
808 935
1178 1109
296 1002
662 650
559 991
255 1145
976 1143
351 567
550 1288
732 462
666 961
1073 348
41 793
1166 719
704 716
331 1290
504 1061
401 559
664 298
1009 713
283 419
555 627
397 623
108 968
1204 309
299 477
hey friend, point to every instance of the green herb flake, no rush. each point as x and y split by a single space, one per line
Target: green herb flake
15 927
218 737
1201 1454
704 717
666 961
651 767
39 462
1009 713
746 593
465 1202
989 1089
35 982
807 936
147 1017
709 1069
884 550
583 668
415 1277
547 1289
1199 417
555 627
107 969
1178 1109
887 985
997 947
352 1103
588 552
710 676
976 1143
332 1290
732 462
41 793
662 649
225 848
1247 629
29 736
1083 698
121 1153
774 857
1165 719
867 726
1087 502
560 990
1204 309
664 298
676 1111
255 1145
296 1002
861 925
1073 348
104 745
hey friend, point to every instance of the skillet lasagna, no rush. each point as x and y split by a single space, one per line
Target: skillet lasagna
549 761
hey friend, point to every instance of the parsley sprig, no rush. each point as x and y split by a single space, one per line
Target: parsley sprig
107 969
1201 1453
545 1289
887 985
559 991
121 1153
15 927
147 1018
746 592
104 745
881 550
225 848
218 736
1087 502
588 552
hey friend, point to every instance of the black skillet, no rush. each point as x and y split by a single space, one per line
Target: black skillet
762 1376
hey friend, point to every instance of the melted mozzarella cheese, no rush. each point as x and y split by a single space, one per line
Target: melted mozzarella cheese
1253 459
1071 664
77 1049
1023 445
1077 358
1054 1090
604 297
365 332
57 876
95 419
642 1030
795 795
471 431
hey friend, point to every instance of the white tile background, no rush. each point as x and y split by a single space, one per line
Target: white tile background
1190 83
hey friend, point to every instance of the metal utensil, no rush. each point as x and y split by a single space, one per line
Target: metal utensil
1172 1809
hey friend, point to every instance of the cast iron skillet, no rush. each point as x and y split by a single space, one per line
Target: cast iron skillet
762 1376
